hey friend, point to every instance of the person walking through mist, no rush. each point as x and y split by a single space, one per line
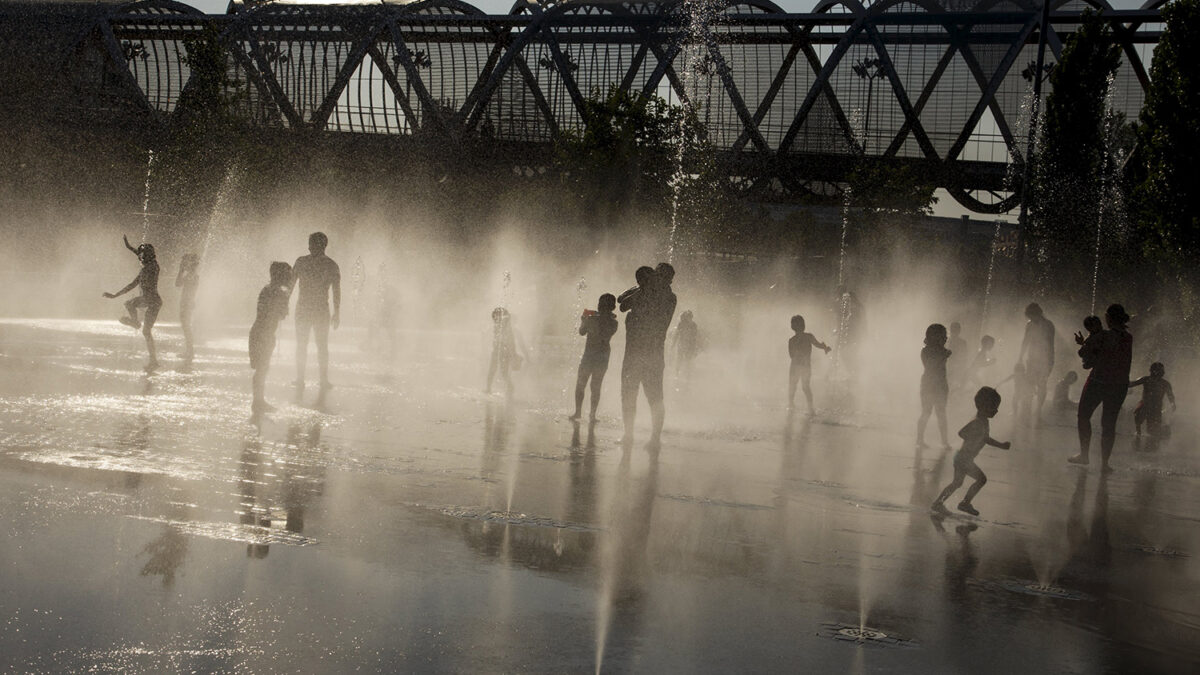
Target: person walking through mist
651 308
317 275
188 279
271 309
1109 355
1037 354
147 279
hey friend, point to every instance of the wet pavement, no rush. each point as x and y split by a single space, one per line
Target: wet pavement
408 522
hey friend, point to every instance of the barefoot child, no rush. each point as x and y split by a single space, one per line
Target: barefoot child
975 435
272 308
934 387
800 349
147 279
1154 388
599 327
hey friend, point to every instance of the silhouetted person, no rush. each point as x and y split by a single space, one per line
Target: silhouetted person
188 280
651 308
1022 392
800 350
934 387
851 323
1062 392
1037 353
975 435
1089 347
958 354
505 358
982 361
272 308
1149 410
599 327
150 300
686 344
1107 385
316 275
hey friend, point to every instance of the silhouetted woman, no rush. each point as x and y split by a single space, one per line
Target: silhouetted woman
1109 358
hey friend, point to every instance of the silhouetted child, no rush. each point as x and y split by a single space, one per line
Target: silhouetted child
188 279
599 327
1062 392
272 308
644 276
1149 411
934 387
686 343
1022 391
982 361
800 350
147 279
1089 347
958 350
975 435
505 358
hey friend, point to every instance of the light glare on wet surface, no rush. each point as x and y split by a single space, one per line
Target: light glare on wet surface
410 523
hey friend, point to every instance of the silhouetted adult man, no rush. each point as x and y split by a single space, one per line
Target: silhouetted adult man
316 275
651 308
1037 353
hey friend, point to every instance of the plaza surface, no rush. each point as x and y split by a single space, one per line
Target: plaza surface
410 523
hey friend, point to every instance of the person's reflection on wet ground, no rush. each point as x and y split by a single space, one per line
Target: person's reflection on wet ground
497 423
134 435
624 558
248 490
299 489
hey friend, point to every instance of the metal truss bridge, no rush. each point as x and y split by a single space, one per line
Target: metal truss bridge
791 101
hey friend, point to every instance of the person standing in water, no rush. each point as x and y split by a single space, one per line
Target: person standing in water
934 387
1037 353
272 308
188 279
1110 359
800 350
150 300
958 350
599 327
505 358
317 275
686 343
651 308
1150 410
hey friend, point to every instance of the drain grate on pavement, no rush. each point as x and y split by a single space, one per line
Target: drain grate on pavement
862 635
1042 590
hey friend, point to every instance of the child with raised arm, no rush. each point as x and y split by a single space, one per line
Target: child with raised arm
599 327
1089 347
934 387
147 279
975 435
189 280
1149 411
800 350
983 360
272 308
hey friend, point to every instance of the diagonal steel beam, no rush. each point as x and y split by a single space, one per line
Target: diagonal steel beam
354 59
428 105
748 123
919 106
268 75
769 98
989 93
889 68
389 76
821 85
477 99
113 48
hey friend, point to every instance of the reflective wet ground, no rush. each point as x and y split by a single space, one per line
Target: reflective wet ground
408 522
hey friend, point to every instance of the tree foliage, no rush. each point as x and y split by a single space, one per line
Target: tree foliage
1166 201
1070 161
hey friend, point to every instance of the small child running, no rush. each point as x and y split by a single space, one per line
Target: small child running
147 279
272 308
599 327
800 349
1149 411
975 435
935 389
